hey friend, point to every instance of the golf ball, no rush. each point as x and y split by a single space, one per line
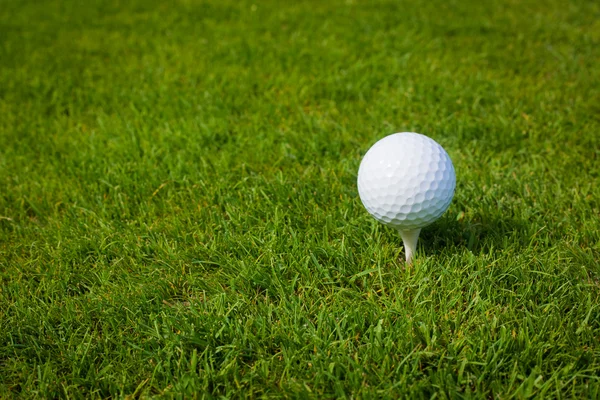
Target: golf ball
406 181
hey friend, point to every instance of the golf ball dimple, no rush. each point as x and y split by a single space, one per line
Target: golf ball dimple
406 180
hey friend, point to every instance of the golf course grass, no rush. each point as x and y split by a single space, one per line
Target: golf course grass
179 214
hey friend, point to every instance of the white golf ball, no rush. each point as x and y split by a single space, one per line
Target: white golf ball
406 181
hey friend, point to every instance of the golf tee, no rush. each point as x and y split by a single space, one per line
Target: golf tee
410 239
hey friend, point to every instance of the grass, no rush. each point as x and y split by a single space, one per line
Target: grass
179 215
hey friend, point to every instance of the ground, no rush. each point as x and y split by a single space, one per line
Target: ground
179 213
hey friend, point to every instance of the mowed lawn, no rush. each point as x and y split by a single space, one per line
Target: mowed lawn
179 213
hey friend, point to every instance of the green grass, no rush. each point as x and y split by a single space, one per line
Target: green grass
179 213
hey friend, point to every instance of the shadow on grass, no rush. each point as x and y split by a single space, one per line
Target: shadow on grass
476 235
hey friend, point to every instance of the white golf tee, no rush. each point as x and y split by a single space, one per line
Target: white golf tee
410 239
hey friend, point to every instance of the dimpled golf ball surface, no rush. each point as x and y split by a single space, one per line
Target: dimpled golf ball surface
406 180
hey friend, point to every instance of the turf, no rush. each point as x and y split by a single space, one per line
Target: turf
179 214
